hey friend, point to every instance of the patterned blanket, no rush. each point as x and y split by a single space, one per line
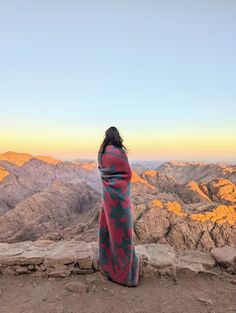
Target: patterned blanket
117 257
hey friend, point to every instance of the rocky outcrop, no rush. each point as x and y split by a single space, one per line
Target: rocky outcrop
139 181
64 258
47 211
3 173
226 257
192 193
167 223
222 190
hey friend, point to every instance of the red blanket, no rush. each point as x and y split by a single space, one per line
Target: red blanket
117 258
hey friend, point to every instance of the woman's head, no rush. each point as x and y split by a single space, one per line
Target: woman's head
112 137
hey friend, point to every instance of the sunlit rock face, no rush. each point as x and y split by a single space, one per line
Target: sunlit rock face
90 166
3 173
186 205
168 223
197 214
222 190
20 158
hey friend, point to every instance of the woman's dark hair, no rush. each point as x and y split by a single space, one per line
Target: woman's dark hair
112 137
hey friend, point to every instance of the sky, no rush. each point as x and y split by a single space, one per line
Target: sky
162 72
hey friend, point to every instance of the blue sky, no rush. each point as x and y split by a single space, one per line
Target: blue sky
158 70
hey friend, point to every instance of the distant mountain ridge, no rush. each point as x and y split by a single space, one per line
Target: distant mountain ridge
184 172
19 158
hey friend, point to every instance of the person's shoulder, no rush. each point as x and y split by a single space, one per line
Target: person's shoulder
114 149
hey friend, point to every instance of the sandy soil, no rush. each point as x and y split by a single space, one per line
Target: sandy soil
200 294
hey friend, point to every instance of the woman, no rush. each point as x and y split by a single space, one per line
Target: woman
117 258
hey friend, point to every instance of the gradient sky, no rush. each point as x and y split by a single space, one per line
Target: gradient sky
162 72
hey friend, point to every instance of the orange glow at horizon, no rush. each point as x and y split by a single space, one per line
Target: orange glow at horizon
65 144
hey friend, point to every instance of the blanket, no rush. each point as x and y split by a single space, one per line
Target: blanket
117 258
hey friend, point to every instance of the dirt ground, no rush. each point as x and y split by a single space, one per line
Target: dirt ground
201 294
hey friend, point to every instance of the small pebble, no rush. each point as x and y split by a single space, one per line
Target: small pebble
77 286
206 301
51 278
93 288
91 279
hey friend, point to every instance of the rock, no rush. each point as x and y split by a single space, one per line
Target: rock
156 258
51 278
94 246
55 236
21 269
64 258
66 252
31 267
62 271
43 243
84 258
206 301
93 288
223 190
56 259
91 279
191 193
77 287
77 270
225 256
194 261
152 223
22 253
162 222
156 255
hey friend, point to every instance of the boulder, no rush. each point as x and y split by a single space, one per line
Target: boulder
194 261
225 256
156 258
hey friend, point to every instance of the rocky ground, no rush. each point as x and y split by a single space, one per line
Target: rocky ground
203 294
63 277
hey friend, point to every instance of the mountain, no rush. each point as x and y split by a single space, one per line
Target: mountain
49 210
185 204
20 158
184 172
35 175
